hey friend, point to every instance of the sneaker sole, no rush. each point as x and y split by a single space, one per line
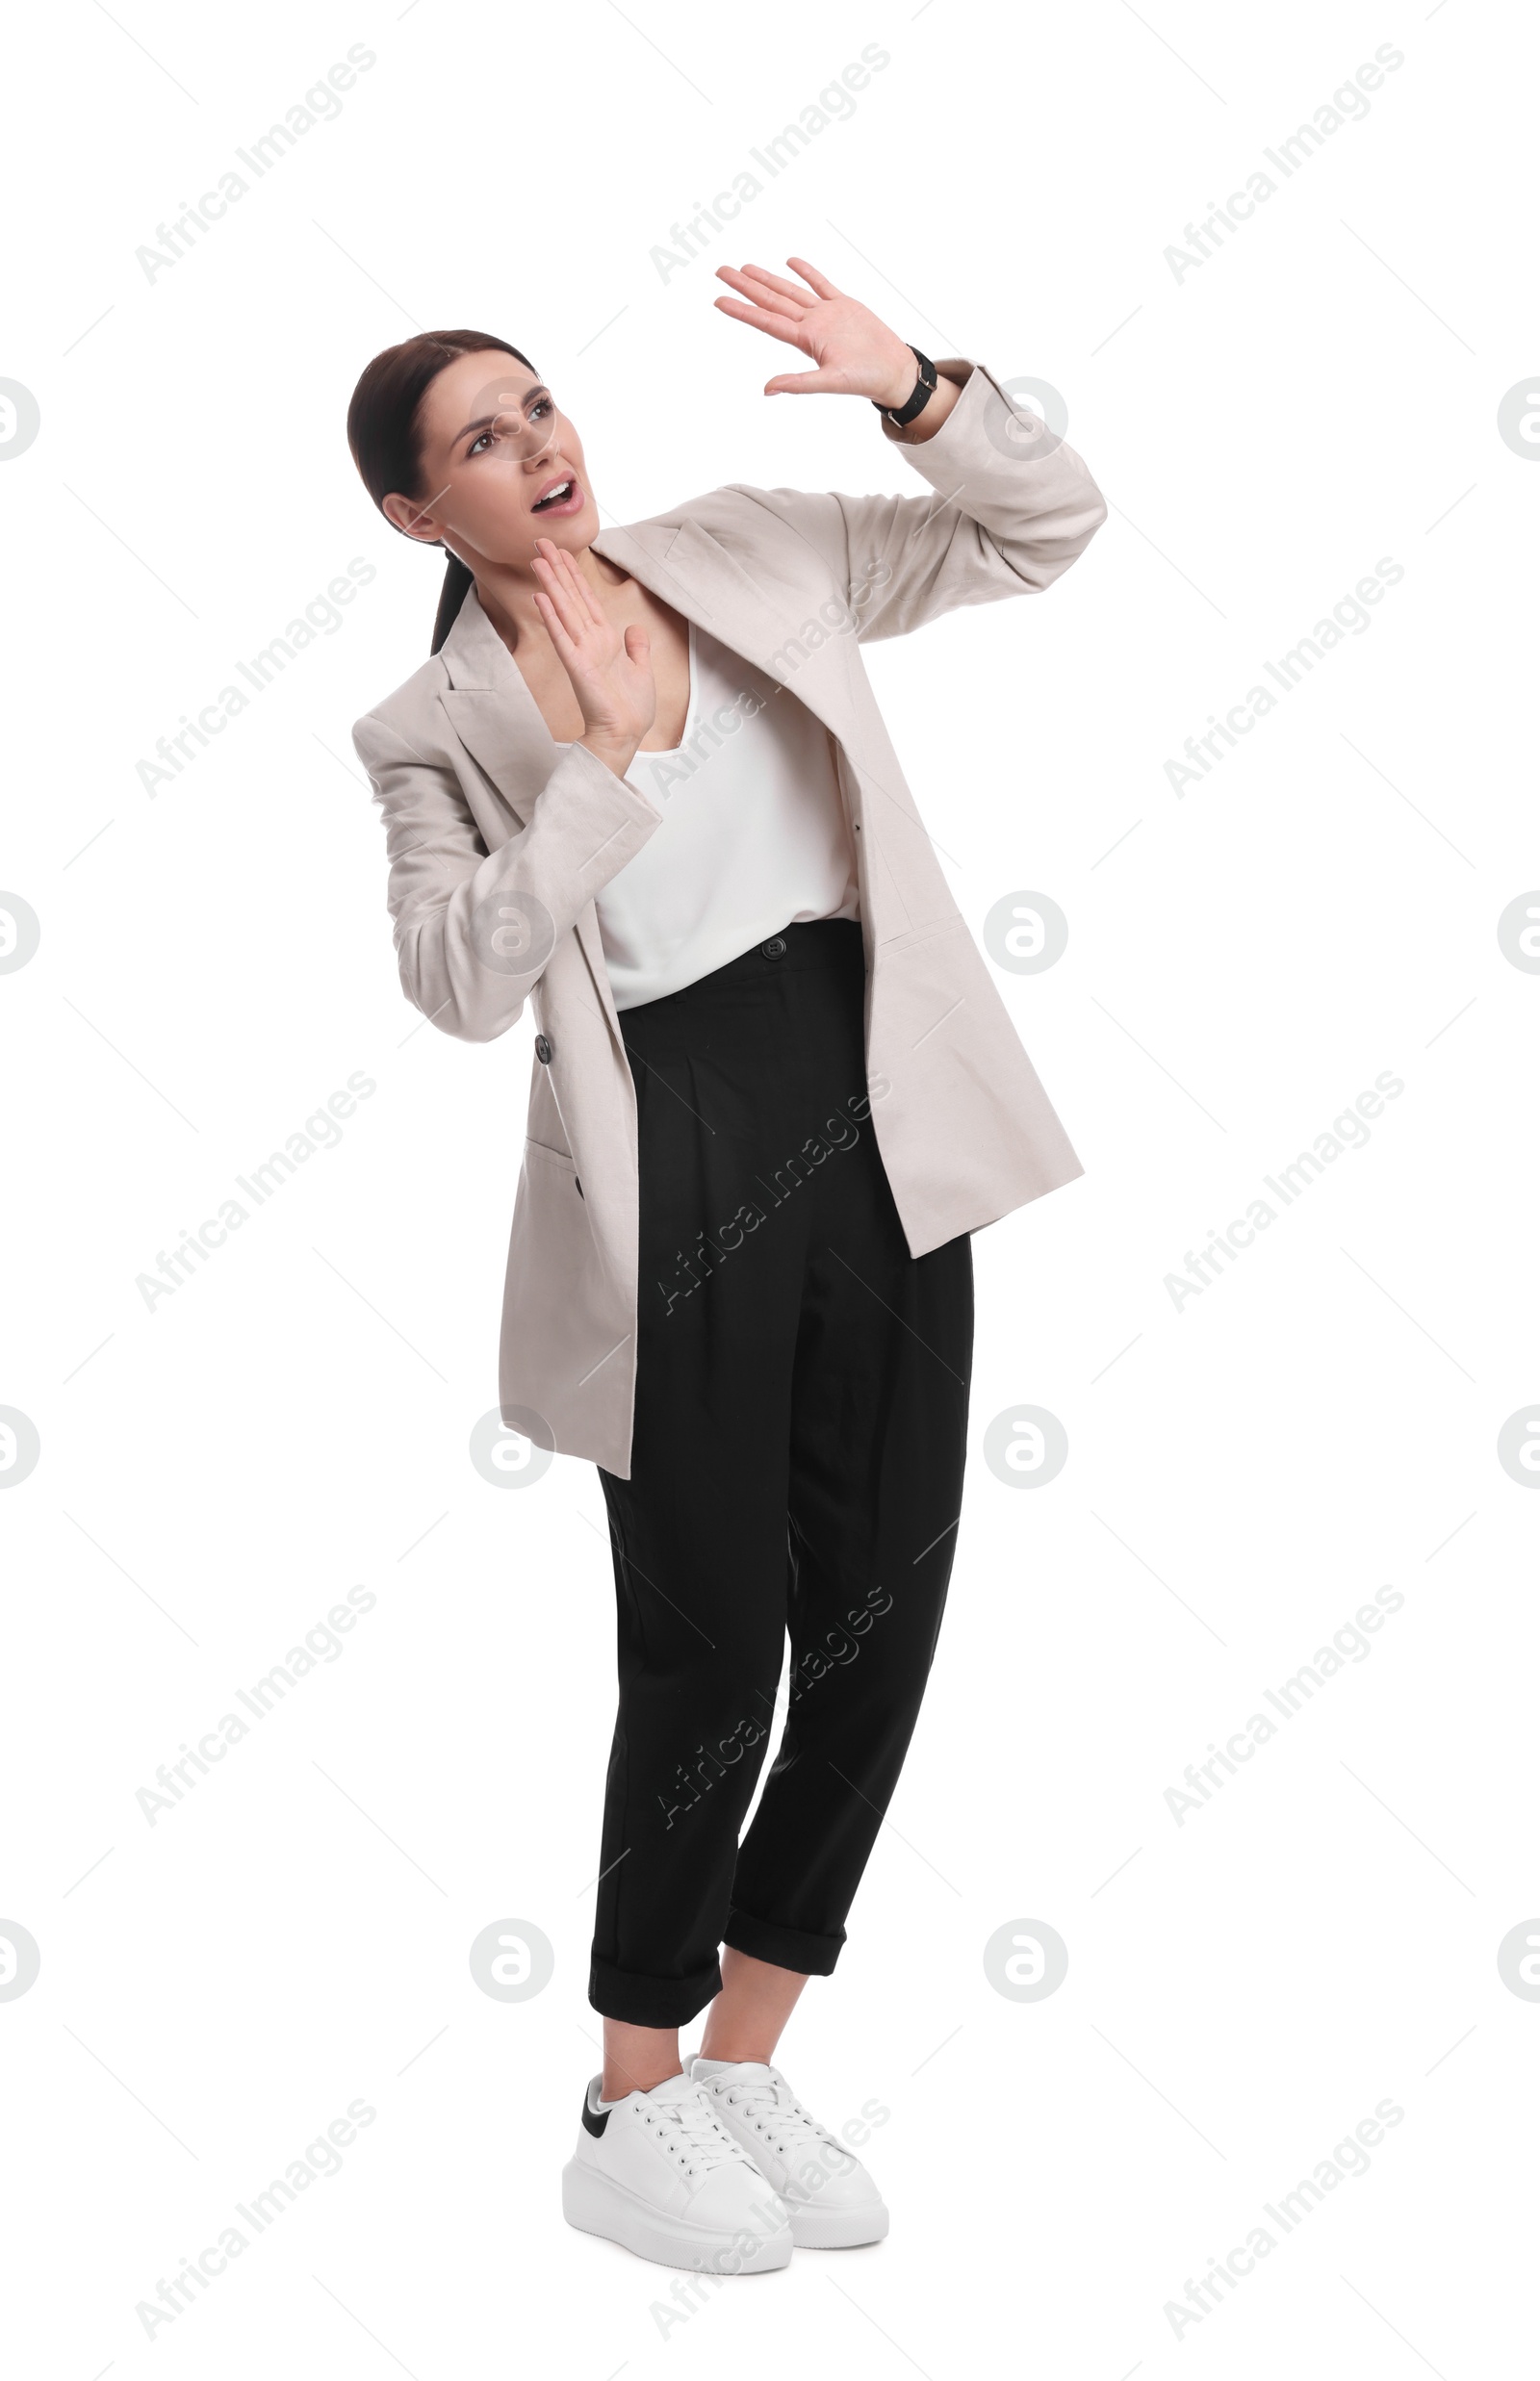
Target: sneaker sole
592 2203
837 2228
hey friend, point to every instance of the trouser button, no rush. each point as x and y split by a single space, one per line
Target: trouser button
775 948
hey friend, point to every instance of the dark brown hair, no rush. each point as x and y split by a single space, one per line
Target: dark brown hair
384 432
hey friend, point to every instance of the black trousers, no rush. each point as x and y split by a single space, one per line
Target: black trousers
799 1435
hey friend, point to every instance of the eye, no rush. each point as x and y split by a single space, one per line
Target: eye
475 444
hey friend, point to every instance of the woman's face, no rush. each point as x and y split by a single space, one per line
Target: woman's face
502 467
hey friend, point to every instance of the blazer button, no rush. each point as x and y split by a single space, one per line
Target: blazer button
775 948
541 1050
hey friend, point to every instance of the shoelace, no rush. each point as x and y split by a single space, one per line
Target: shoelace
775 2109
704 2141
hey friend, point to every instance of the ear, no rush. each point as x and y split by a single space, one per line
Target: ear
411 520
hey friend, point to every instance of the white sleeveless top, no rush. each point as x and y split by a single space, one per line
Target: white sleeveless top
754 834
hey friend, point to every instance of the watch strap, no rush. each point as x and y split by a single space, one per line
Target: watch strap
902 414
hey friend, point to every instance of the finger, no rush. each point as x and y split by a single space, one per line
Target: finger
761 297
566 649
807 384
558 596
582 594
814 277
778 327
764 293
772 281
560 586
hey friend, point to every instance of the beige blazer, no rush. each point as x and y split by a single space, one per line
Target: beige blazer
497 842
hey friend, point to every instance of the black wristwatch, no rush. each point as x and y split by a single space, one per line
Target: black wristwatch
900 416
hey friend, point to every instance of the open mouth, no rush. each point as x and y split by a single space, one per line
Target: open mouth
565 496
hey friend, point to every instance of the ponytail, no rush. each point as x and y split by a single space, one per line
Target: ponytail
458 582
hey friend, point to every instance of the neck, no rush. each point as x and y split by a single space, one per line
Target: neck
507 595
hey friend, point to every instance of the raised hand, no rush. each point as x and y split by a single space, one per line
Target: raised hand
611 674
855 353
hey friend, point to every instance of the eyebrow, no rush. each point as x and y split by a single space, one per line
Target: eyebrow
486 420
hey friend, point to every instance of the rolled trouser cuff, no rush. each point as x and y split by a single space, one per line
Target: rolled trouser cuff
651 2000
807 1954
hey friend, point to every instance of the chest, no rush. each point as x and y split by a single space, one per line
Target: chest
670 634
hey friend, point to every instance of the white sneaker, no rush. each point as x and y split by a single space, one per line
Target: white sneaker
659 2173
834 2202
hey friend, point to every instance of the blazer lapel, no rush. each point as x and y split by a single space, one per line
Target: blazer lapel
491 711
690 567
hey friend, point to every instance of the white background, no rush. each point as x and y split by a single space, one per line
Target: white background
1245 1470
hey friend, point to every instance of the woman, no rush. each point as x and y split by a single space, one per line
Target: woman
643 785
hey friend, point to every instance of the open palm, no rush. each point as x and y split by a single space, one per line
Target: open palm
855 353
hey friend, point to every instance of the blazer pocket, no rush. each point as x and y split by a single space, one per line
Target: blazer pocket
921 933
556 1157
